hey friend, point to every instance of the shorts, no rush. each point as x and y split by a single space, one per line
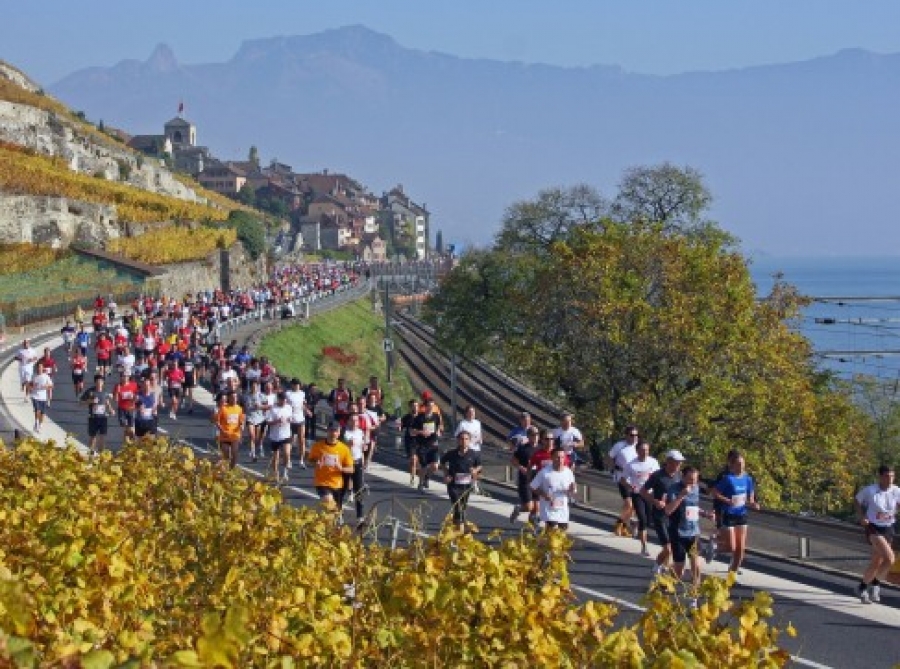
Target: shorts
661 525
430 455
555 523
625 490
296 427
144 427
886 531
97 425
526 494
40 406
126 417
334 493
77 377
682 547
189 381
175 393
275 445
25 375
729 520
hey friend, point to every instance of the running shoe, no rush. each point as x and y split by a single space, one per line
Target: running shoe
875 593
645 552
864 596
302 465
514 514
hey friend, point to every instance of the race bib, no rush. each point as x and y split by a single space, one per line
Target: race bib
559 500
188 367
739 500
175 384
330 460
146 414
427 429
462 479
233 419
99 409
342 407
126 395
692 513
884 516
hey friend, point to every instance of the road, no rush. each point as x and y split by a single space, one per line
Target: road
835 629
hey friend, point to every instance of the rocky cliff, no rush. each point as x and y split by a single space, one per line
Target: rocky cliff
57 220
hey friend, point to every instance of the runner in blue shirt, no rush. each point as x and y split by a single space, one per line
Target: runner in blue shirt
737 494
683 509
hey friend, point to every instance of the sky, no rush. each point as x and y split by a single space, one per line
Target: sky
51 39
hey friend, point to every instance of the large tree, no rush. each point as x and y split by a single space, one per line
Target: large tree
675 197
642 323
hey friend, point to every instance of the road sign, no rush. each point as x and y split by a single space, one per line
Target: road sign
388 345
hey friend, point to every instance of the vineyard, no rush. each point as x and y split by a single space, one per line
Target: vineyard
158 558
23 172
19 258
173 244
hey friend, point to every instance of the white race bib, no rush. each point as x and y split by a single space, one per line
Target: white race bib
739 500
692 513
462 479
146 414
330 460
99 409
559 500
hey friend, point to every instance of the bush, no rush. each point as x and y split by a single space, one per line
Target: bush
156 556
250 231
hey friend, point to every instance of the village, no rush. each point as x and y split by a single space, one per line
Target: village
328 212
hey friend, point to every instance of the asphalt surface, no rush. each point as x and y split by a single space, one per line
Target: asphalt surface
834 628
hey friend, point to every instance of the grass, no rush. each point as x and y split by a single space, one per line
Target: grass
353 337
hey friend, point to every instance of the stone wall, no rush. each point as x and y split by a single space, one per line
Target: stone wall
55 221
205 274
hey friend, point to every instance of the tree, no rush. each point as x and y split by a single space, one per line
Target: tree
675 197
439 242
637 323
531 226
253 157
250 231
246 195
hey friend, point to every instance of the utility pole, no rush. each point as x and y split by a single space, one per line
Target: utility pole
388 341
453 388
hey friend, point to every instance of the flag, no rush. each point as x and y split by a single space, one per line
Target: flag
181 106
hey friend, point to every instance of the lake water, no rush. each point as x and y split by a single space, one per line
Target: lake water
864 336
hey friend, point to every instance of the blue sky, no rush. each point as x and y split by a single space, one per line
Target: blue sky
51 39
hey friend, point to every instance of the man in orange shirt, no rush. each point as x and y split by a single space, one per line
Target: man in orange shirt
331 460
230 421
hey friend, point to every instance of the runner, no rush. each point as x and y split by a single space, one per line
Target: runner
521 460
83 340
623 452
79 368
278 419
737 493
332 460
99 403
683 509
569 438
173 377
48 363
26 357
409 441
340 400
471 425
68 335
125 394
229 420
355 438
376 417
876 506
426 428
519 434
375 390
461 466
554 486
296 399
190 365
654 492
635 477
147 402
40 387
103 348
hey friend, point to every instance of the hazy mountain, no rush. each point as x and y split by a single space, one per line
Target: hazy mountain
801 157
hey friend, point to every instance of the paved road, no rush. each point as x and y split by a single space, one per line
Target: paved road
834 628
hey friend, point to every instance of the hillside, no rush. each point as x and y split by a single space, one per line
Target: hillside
797 154
64 181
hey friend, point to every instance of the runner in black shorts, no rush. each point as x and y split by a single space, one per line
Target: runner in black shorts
654 491
99 403
426 428
521 460
189 365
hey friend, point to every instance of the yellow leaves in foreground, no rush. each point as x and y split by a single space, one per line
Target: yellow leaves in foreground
154 558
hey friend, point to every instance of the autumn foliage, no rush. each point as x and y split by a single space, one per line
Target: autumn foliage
158 558
173 244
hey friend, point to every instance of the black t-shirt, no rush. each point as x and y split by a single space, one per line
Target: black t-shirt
460 465
658 485
430 423
96 400
405 425
522 455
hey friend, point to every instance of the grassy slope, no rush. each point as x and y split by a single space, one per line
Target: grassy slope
357 331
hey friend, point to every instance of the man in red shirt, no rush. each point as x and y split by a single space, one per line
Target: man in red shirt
104 348
173 376
125 393
48 362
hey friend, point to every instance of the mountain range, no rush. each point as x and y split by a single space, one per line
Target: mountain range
801 158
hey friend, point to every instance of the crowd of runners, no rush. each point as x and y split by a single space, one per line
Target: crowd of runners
152 357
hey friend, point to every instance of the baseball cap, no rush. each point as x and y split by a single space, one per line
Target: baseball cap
334 425
533 430
675 455
426 395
